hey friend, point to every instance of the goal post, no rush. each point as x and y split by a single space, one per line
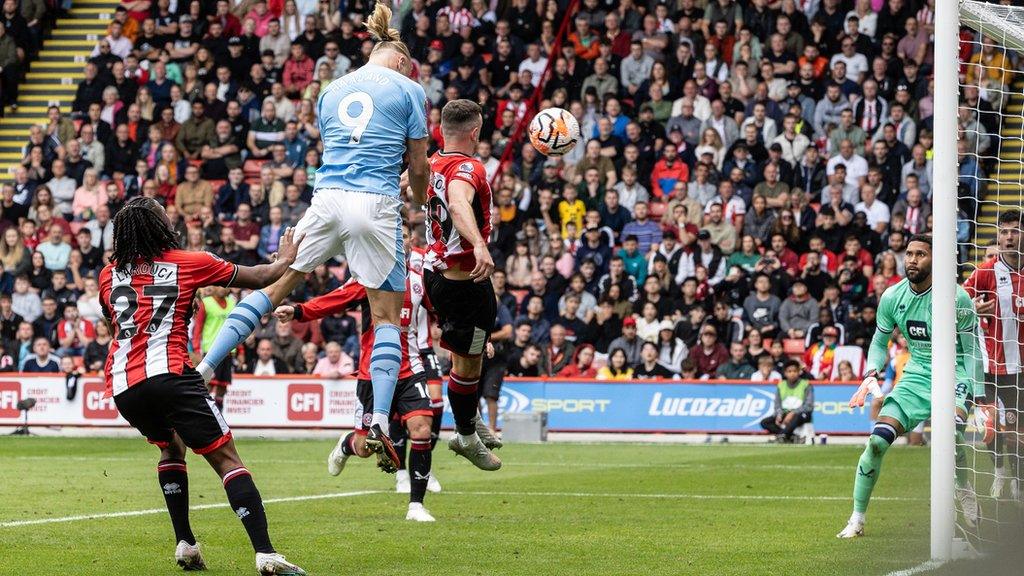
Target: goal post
944 209
977 175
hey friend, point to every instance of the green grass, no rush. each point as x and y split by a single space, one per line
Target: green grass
570 509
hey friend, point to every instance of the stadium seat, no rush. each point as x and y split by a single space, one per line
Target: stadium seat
216 184
519 295
657 210
251 168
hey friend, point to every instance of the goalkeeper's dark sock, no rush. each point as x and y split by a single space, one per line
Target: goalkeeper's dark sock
399 438
419 469
870 465
462 396
960 456
173 476
245 500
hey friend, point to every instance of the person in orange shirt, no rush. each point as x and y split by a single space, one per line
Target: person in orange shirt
129 26
586 44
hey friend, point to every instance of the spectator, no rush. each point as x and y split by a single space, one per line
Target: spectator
765 370
708 354
799 311
335 363
649 368
193 194
266 364
74 333
581 365
737 368
42 360
618 368
794 404
672 351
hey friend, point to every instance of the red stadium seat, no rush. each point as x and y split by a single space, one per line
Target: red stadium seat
657 210
793 347
251 168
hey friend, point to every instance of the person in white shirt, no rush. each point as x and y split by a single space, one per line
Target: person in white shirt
765 370
491 164
877 212
534 62
266 364
856 167
856 63
119 45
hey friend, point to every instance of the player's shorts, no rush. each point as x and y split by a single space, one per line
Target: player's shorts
222 373
1005 391
411 399
491 379
910 402
431 365
466 312
169 403
364 227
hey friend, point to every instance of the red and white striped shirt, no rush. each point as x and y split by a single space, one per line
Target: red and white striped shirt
458 18
424 317
352 294
150 307
995 281
446 248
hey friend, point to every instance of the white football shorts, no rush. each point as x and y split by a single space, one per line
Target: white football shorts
364 227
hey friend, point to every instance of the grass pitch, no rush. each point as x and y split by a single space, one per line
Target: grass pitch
572 509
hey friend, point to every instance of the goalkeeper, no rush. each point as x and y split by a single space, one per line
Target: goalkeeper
908 306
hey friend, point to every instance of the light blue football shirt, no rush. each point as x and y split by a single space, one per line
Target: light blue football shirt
365 118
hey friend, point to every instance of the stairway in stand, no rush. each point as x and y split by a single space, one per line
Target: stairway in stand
54 77
1005 186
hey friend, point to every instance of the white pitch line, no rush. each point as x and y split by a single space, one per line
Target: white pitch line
671 496
923 567
130 513
610 465
333 495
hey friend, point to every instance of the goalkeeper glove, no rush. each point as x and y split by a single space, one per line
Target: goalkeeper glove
985 421
868 386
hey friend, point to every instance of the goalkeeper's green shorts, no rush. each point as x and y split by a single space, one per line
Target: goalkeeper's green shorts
910 402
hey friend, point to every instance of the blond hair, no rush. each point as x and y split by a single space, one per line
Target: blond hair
379 27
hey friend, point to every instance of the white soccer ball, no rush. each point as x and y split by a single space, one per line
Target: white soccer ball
554 132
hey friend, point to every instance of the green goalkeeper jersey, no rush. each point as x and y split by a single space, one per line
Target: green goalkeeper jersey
901 307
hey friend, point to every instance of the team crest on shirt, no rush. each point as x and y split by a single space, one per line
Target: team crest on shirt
466 167
417 289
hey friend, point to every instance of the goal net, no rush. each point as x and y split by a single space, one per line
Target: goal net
990 189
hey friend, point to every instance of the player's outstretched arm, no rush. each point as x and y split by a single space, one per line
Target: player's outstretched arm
419 170
266 274
460 206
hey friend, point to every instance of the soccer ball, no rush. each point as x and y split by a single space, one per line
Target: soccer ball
554 132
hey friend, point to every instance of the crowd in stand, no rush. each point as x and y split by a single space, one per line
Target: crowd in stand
748 176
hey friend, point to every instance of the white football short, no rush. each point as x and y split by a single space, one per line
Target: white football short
363 227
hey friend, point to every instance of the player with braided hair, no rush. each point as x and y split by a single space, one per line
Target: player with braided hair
369 120
146 293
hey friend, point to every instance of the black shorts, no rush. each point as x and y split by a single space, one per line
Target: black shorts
411 399
466 312
491 380
222 373
431 366
169 403
1004 391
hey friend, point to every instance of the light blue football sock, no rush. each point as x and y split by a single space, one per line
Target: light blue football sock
240 323
385 363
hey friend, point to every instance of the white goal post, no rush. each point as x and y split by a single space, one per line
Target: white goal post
1002 27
